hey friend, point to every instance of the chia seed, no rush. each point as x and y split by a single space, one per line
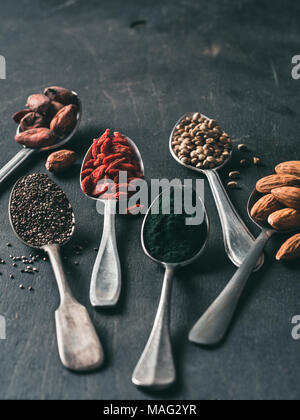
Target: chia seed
40 211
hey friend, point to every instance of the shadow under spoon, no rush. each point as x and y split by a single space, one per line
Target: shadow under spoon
78 344
237 237
156 369
26 152
213 325
106 279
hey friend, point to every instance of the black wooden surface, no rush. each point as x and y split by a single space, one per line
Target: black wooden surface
228 59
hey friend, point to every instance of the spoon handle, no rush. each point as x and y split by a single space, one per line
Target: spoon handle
155 368
212 326
237 238
14 163
106 277
78 344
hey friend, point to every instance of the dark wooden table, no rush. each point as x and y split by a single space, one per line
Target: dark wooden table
137 66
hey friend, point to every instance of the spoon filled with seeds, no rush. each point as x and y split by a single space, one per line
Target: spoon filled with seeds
42 218
199 143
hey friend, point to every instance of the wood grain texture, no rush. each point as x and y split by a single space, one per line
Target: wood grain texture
228 59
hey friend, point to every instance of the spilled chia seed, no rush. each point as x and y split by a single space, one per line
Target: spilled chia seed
169 239
40 211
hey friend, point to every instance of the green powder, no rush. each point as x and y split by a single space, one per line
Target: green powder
168 238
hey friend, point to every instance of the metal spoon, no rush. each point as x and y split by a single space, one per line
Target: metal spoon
237 238
78 344
213 325
26 152
106 276
156 368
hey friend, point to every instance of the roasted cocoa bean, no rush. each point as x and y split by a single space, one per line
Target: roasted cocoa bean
20 114
36 137
60 160
38 103
64 121
60 94
32 120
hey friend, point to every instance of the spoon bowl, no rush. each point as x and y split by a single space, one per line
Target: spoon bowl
105 286
237 238
156 369
78 344
26 152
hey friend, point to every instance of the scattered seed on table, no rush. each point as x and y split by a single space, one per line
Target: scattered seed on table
96 249
8 244
15 265
44 259
35 269
76 262
244 162
21 286
30 288
234 175
256 161
232 185
11 276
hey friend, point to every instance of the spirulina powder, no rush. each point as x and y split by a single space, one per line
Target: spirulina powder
168 238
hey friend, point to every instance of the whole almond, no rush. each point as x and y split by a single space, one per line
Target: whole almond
291 167
64 121
285 219
289 196
36 137
264 207
269 183
61 94
290 250
32 120
60 160
38 103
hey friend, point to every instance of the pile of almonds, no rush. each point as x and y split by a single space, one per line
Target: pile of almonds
48 117
200 142
280 205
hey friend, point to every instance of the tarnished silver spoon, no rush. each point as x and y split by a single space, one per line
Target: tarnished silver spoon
78 344
106 276
237 238
156 368
213 325
26 152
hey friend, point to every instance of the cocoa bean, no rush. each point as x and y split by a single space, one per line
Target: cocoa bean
19 115
32 120
64 121
38 103
36 137
60 160
60 94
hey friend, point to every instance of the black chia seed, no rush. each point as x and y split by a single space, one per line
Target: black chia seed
40 211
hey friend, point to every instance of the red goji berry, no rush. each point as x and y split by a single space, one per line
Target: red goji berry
95 149
110 158
86 172
87 185
106 146
98 174
89 164
115 164
99 191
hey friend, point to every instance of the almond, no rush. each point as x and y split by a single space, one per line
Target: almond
285 219
60 160
267 184
264 207
292 168
64 121
36 137
290 250
289 196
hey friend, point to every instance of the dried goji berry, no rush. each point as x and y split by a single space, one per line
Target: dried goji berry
115 164
110 158
87 185
86 172
106 146
95 149
89 164
98 174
